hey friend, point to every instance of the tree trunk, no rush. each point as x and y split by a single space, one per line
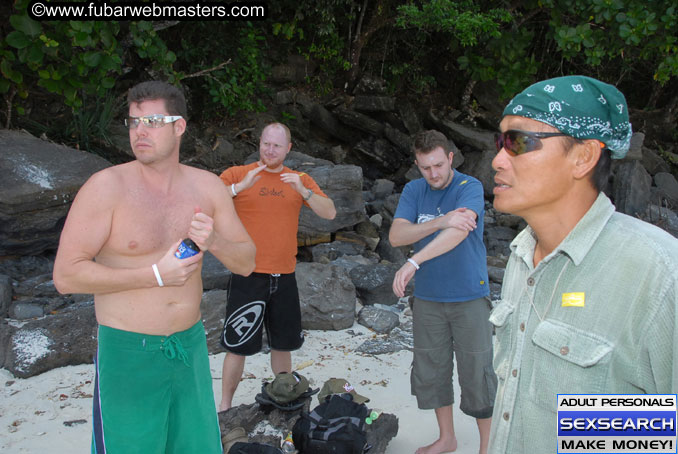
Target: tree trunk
378 20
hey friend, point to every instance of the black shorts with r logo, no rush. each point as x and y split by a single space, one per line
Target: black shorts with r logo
258 300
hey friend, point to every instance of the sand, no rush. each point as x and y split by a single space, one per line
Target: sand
51 412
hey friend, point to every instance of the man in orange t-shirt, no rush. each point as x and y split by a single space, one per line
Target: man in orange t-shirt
268 197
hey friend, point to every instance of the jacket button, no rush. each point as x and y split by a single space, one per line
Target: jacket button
530 281
506 416
514 372
522 327
564 350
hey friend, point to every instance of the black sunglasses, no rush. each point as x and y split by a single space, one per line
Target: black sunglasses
517 142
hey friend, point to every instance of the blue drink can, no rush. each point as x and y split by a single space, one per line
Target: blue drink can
186 249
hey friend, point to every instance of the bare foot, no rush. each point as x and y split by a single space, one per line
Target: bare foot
439 446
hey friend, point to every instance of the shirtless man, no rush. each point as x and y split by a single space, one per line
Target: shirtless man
153 388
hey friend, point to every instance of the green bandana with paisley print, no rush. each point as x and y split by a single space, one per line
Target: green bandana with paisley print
580 107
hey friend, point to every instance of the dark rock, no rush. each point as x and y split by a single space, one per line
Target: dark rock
370 85
39 181
382 188
379 152
479 139
381 432
5 294
458 159
402 141
327 296
663 218
253 416
377 319
359 121
66 338
497 262
496 274
479 165
355 237
348 262
295 70
488 96
38 286
334 250
668 185
27 286
325 120
631 188
377 220
654 163
500 233
374 283
214 274
26 267
636 147
220 155
397 255
368 103
343 184
398 339
409 117
389 208
498 238
26 311
284 97
338 154
213 310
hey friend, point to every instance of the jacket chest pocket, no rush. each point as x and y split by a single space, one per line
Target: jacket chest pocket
568 360
501 319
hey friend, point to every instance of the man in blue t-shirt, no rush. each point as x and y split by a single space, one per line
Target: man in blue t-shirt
442 215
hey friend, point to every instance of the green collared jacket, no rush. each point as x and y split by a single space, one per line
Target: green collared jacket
596 316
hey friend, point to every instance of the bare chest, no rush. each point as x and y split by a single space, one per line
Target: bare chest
145 224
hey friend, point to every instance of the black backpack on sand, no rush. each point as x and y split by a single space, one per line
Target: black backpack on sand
336 426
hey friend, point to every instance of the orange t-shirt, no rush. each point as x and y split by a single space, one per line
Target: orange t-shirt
269 210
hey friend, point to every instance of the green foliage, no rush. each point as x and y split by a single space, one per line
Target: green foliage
418 46
413 76
89 127
473 31
314 30
236 86
466 21
71 59
327 51
619 32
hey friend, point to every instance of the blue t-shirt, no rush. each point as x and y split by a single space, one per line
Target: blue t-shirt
460 274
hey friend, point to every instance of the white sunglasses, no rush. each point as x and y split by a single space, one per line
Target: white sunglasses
151 121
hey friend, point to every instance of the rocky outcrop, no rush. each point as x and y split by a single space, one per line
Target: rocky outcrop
327 296
39 181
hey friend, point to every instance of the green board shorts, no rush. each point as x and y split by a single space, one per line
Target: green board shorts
153 394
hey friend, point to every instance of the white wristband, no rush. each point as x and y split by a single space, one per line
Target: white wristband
233 190
414 264
157 275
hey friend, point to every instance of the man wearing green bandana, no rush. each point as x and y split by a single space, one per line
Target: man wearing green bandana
589 296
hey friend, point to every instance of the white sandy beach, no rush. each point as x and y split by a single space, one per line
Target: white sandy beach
51 413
